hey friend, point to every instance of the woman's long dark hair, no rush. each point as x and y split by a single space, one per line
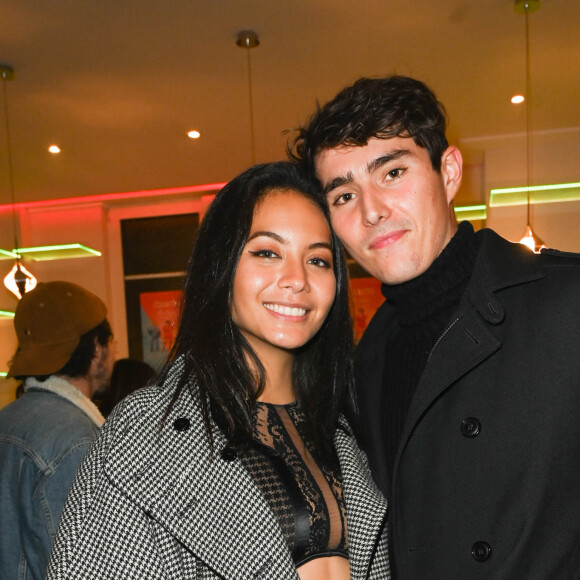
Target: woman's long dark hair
215 351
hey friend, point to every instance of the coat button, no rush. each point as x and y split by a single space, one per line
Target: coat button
470 427
182 424
228 454
481 551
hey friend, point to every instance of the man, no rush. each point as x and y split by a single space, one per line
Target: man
66 358
468 376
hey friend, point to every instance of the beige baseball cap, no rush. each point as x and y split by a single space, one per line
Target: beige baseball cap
49 322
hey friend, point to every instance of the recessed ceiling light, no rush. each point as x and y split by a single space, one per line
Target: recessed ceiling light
194 134
517 99
54 149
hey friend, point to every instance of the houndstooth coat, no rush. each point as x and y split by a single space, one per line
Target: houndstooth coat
150 502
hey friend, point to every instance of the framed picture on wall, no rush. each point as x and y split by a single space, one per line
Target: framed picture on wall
155 254
152 317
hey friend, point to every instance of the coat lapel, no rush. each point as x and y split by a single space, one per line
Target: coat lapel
366 508
210 505
469 340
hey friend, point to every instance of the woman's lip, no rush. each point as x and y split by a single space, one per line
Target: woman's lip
387 240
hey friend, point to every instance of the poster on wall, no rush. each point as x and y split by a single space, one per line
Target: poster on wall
366 299
159 319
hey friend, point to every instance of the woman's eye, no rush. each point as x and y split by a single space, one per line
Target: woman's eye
264 253
320 262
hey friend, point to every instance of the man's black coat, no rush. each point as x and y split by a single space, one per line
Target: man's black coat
486 482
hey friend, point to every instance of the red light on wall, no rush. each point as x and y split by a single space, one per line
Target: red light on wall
104 197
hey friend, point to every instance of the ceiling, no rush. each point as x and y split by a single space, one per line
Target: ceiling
117 84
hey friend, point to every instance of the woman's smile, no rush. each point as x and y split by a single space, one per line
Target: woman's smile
288 311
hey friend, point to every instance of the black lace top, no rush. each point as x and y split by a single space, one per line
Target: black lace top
306 499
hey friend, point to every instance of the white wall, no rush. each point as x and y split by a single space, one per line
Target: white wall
555 159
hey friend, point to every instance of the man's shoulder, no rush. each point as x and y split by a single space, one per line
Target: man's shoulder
505 260
491 241
41 418
552 258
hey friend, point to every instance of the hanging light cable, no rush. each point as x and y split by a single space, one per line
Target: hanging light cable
529 239
248 39
19 280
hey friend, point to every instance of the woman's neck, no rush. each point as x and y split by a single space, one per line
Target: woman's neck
279 388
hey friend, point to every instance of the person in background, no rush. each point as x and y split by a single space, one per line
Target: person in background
240 463
469 375
128 376
65 358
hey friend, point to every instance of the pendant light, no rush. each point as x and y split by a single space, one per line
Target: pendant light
248 39
530 239
19 280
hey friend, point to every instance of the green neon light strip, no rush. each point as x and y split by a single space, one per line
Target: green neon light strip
556 192
3 374
471 212
60 252
6 255
6 314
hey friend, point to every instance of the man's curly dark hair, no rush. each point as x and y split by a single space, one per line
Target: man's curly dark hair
374 107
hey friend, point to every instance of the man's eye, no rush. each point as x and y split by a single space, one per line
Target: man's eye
394 173
343 198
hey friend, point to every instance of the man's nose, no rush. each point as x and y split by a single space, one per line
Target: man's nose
374 206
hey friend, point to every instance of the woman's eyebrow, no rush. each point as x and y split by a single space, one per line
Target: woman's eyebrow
281 240
268 234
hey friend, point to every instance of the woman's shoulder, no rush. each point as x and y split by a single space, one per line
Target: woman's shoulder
153 401
149 425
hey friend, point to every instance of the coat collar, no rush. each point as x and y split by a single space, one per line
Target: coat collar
212 505
61 387
500 264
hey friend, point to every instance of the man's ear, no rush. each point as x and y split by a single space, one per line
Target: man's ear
98 354
451 171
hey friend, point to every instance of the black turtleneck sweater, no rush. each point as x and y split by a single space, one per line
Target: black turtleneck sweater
423 309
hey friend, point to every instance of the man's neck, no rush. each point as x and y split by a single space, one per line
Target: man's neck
80 383
421 297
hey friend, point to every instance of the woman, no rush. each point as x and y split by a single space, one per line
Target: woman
240 464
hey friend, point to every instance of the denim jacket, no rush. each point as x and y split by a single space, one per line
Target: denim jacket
44 436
